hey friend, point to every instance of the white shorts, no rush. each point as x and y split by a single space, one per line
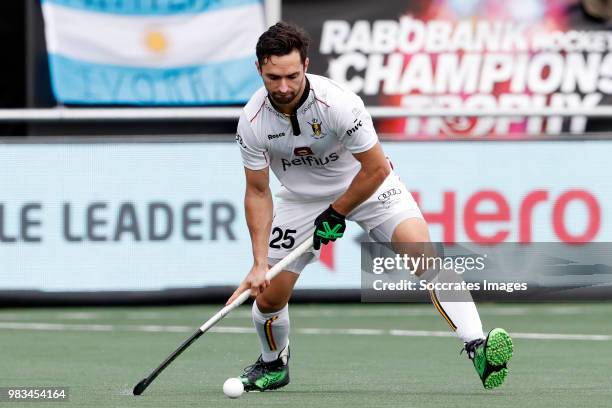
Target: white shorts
293 221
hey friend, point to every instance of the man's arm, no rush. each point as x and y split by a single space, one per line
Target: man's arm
374 170
258 209
330 224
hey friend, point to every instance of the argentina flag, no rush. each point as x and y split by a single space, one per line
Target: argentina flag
153 52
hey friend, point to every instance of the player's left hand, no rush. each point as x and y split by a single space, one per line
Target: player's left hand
329 226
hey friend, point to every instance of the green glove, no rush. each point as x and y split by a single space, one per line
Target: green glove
329 226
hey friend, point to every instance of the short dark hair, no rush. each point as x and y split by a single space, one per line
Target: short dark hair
281 39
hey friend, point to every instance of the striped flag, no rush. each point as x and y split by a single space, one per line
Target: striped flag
153 52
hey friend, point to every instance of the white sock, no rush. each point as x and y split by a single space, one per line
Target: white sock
273 331
460 313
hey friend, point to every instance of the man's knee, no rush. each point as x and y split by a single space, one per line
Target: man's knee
411 230
411 237
276 296
266 304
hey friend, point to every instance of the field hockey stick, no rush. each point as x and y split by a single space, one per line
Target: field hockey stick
293 255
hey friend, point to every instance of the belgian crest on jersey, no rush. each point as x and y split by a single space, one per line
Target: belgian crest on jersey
317 131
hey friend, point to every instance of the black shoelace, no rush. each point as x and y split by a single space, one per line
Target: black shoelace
471 347
259 367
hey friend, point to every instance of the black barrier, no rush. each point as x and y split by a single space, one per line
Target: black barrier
208 295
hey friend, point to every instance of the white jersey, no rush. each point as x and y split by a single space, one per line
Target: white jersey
311 153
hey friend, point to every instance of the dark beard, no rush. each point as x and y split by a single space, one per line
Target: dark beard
283 101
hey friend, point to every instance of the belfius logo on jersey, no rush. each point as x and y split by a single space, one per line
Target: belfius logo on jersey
317 129
303 151
306 157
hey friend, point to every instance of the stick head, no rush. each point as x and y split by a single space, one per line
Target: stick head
141 386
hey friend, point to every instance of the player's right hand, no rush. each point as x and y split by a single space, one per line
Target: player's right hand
255 281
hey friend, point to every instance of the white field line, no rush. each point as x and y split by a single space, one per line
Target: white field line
78 315
56 326
316 331
315 314
398 312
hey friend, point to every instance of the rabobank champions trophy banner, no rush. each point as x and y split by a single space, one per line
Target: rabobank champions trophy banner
162 52
464 54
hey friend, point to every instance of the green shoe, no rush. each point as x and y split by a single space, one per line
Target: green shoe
264 376
490 357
